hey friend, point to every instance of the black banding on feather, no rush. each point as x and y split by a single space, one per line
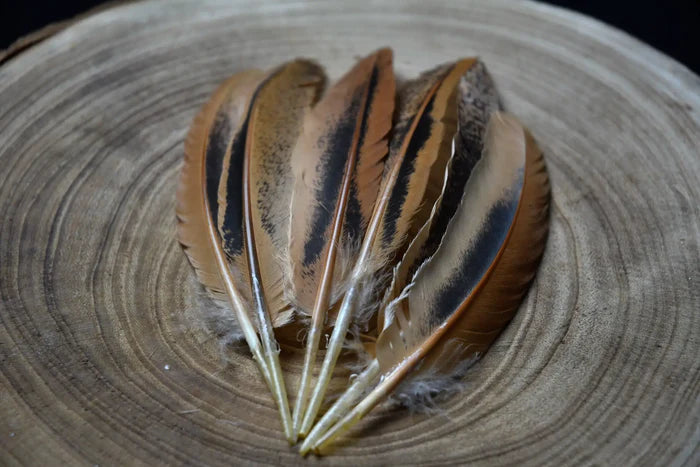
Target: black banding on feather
330 190
420 136
473 267
217 144
335 167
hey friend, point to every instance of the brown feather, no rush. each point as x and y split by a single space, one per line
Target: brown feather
209 137
477 100
495 304
277 128
418 155
193 228
276 108
337 164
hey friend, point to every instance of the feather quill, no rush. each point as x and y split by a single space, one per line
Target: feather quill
418 155
246 163
468 290
337 163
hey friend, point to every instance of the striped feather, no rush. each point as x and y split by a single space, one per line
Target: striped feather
275 110
207 142
337 164
418 154
245 154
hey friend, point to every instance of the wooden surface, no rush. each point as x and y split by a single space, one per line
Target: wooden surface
103 355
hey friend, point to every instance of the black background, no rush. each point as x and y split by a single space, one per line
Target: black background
672 26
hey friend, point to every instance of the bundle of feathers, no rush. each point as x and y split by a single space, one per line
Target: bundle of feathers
415 213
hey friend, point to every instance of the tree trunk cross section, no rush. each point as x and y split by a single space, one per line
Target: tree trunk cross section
104 355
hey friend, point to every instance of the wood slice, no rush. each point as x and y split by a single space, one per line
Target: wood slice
104 355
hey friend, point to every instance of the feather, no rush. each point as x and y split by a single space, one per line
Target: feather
418 154
205 146
264 142
247 166
469 289
255 222
478 99
337 163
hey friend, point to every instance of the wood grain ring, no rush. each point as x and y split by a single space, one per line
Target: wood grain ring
103 356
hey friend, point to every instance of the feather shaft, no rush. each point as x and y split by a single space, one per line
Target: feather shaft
350 397
381 391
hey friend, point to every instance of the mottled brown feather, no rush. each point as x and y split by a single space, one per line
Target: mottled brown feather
275 112
497 301
280 110
415 327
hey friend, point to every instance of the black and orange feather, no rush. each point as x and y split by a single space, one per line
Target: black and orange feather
337 163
